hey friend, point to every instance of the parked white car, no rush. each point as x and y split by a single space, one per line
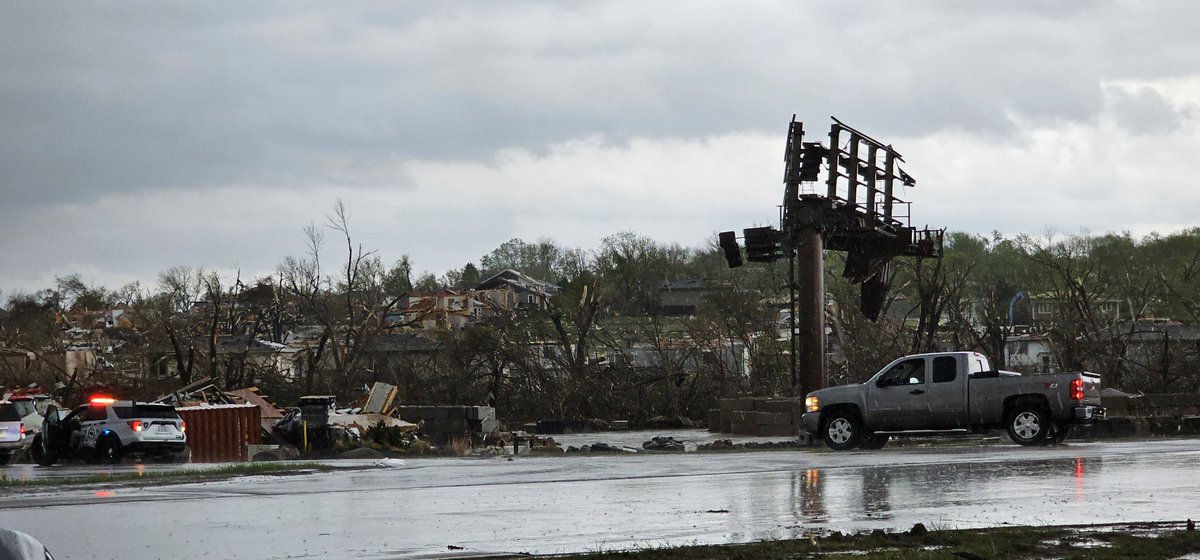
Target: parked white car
32 409
12 431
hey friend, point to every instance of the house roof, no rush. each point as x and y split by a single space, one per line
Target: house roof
305 333
517 280
1156 330
17 352
231 344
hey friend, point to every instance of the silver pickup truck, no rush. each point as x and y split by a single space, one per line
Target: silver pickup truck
952 391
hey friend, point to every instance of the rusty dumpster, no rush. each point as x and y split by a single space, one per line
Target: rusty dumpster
220 433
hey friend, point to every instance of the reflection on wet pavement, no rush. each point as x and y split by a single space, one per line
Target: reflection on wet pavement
566 504
962 494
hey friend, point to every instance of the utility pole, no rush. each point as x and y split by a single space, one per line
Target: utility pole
867 228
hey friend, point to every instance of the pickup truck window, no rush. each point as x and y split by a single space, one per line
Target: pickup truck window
945 369
908 372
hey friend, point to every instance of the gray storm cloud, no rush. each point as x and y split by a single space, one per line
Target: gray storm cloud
105 104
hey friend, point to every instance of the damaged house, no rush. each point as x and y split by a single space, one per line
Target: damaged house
510 289
446 310
449 309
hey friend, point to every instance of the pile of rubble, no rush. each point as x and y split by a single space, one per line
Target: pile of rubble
317 427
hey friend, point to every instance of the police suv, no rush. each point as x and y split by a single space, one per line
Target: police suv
106 429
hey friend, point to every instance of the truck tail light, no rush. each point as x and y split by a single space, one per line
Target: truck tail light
136 425
22 429
183 425
1077 389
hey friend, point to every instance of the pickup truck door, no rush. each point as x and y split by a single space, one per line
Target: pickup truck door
898 398
948 394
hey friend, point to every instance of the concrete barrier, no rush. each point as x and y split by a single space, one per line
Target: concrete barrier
759 416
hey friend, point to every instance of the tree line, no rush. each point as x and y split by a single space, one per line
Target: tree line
605 345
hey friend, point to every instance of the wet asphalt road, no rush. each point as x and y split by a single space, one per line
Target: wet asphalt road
587 503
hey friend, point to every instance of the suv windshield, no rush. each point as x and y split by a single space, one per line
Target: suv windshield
24 408
8 413
141 410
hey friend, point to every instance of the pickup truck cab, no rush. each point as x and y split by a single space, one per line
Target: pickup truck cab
951 391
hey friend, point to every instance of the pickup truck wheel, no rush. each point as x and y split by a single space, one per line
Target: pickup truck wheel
1028 424
42 458
842 431
1059 434
871 440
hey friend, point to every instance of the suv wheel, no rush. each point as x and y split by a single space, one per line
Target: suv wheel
109 450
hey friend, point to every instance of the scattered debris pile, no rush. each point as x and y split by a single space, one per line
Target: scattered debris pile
445 424
318 424
224 425
268 411
669 444
536 444
600 447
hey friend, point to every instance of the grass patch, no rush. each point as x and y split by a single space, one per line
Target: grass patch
167 476
1162 540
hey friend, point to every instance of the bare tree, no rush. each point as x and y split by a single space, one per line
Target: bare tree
181 287
350 311
302 280
1083 334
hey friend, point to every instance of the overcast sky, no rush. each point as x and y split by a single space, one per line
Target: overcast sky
136 137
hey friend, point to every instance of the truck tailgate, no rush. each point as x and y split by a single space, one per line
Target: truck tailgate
1091 388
